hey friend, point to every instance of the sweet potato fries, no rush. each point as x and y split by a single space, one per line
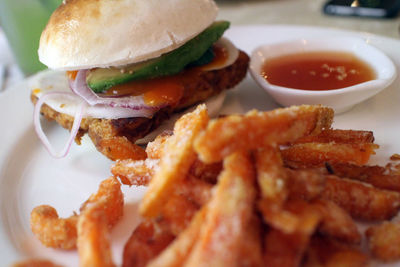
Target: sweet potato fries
276 188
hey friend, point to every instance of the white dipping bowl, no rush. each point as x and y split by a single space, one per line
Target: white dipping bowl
339 99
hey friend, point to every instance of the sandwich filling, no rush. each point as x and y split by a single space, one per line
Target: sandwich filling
137 90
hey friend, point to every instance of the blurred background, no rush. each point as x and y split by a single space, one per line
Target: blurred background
22 21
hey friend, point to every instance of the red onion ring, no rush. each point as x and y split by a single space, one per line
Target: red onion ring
75 126
79 87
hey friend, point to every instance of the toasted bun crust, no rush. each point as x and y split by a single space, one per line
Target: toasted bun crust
100 33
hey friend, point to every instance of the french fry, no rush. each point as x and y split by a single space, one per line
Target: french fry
287 249
278 217
305 184
56 232
206 172
361 200
177 213
98 214
35 263
155 148
228 217
139 172
51 230
176 160
395 156
384 241
134 172
393 169
377 176
336 222
330 253
197 190
250 252
277 188
259 129
298 165
147 241
176 254
316 154
108 197
271 178
354 171
93 237
338 136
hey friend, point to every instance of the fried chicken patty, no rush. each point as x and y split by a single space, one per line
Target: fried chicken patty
116 138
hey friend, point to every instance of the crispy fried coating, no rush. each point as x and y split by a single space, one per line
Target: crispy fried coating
51 230
199 169
336 222
307 184
207 172
232 204
177 213
287 249
384 241
395 156
147 241
35 263
326 252
195 189
226 135
316 154
110 198
139 172
56 232
278 217
250 253
109 142
93 242
115 138
234 196
272 180
134 172
250 205
361 200
177 253
338 136
154 149
176 216
175 163
271 176
377 176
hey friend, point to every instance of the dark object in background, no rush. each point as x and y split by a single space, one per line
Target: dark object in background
363 8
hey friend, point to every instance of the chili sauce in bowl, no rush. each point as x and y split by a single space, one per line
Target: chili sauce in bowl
336 72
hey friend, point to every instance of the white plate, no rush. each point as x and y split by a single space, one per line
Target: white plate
30 177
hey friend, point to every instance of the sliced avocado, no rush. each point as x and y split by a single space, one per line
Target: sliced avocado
206 58
101 79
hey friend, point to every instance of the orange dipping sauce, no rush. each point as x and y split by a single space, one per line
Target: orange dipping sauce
167 89
323 70
163 90
72 74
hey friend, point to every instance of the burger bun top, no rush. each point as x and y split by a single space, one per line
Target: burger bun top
84 34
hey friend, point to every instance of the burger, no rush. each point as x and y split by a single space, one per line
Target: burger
118 69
